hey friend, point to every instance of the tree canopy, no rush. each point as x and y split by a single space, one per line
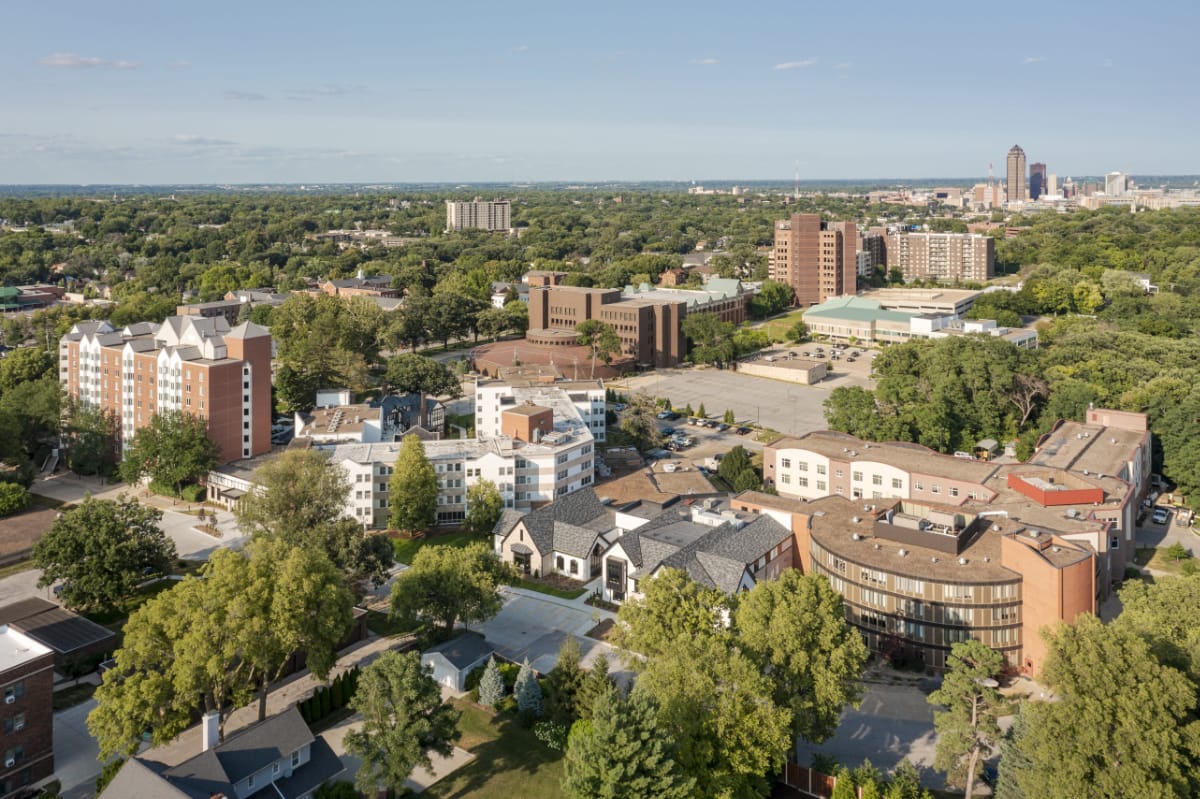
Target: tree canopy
101 550
446 584
413 488
171 450
408 373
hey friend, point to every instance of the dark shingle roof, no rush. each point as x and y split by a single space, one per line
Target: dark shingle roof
138 780
464 650
323 765
49 624
569 525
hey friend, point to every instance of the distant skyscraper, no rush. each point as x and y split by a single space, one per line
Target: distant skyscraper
1037 180
1115 184
1016 175
817 259
1052 183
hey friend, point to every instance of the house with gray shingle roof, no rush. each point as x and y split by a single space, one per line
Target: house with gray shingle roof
716 546
277 758
565 537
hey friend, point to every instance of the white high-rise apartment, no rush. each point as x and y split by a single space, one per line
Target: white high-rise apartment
489 215
1115 184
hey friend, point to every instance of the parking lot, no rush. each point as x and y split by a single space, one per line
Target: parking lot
786 407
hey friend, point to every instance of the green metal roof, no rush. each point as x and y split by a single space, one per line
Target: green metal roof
856 309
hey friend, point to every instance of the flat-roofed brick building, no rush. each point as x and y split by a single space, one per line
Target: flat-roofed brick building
817 259
27 682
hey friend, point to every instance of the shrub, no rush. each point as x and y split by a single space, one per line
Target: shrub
13 498
552 734
474 676
1133 573
192 493
326 702
337 790
107 773
336 696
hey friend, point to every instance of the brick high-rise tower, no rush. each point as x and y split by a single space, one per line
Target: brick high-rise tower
1017 192
815 258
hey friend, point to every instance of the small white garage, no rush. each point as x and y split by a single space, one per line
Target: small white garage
450 662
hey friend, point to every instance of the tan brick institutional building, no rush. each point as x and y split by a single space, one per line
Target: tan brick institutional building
930 549
648 320
195 365
817 259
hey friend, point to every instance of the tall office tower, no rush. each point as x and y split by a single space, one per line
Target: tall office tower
817 259
1037 180
189 364
1052 184
1016 175
1115 184
489 215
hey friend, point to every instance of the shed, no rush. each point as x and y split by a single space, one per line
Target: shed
450 662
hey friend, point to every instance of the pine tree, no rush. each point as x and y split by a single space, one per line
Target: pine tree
596 683
701 412
844 789
1012 759
491 686
729 417
623 753
564 682
336 698
967 728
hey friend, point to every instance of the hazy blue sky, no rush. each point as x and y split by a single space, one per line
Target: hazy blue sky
259 90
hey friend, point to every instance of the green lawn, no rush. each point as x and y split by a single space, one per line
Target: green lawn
509 761
777 329
407 548
1157 560
383 625
115 618
562 593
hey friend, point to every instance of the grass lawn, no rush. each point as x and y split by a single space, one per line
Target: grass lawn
542 588
777 328
407 548
39 501
1157 560
16 568
509 761
383 625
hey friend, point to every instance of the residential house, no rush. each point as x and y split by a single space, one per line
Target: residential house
451 661
277 758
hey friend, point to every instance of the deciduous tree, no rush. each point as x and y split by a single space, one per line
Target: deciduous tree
171 450
413 487
484 506
447 584
672 608
101 550
419 374
601 338
795 628
404 721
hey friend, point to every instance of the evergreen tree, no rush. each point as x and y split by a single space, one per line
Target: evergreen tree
414 488
596 682
564 683
967 728
622 753
527 691
844 789
728 417
491 686
701 412
906 783
1012 759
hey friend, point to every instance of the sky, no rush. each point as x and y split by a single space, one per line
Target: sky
159 91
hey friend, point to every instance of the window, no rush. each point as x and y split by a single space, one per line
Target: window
821 468
14 724
918 486
910 586
802 482
876 479
802 466
856 477
276 767
820 485
558 563
839 473
953 491
897 482
935 488
785 479
295 758
250 781
785 463
574 567
14 692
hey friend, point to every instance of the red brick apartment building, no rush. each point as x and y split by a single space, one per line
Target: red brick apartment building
930 549
195 365
817 259
27 682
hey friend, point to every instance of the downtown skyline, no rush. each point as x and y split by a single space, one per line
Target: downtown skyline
137 93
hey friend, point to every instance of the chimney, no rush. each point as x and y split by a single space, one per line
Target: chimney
210 729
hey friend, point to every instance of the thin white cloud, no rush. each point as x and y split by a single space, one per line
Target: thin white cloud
801 64
71 61
310 93
705 62
843 65
200 141
245 97
521 48
1033 59
126 64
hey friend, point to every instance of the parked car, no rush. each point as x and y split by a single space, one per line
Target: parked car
1160 515
741 431
668 431
722 427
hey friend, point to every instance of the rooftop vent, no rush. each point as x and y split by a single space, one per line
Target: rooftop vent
856 520
1072 513
1112 440
853 453
995 528
1034 533
1055 549
855 537
877 546
987 559
903 552
962 561
933 559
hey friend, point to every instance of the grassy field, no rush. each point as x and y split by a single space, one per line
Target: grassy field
1158 560
509 761
406 548
777 328
115 618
